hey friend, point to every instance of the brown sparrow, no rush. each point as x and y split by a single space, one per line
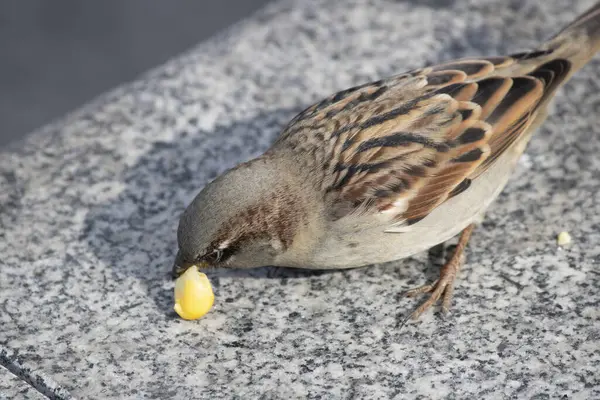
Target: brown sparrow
387 169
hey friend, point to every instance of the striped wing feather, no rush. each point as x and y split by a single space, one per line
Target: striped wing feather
406 144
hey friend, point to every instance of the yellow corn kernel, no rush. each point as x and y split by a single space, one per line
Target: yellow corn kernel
193 294
563 239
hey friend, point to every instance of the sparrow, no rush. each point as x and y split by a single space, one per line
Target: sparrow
387 169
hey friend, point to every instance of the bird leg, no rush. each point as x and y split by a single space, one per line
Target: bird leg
444 285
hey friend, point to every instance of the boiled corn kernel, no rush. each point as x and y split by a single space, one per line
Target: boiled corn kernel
193 294
563 238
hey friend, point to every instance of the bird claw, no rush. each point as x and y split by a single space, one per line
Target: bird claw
443 288
420 290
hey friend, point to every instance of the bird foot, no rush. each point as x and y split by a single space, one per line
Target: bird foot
443 287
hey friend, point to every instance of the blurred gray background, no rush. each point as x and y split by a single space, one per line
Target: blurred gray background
56 55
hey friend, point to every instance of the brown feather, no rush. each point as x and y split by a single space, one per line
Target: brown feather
411 141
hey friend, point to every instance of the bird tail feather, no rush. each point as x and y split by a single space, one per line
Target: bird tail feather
579 41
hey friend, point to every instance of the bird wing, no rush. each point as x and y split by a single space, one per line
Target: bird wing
406 144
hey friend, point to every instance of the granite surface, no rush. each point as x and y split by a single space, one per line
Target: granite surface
89 207
12 387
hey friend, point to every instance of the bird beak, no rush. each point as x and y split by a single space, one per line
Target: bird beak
181 265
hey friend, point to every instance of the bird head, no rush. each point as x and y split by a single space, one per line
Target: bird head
245 218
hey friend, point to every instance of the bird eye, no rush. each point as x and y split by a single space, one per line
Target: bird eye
212 257
218 254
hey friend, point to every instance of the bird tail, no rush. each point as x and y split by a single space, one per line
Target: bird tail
579 41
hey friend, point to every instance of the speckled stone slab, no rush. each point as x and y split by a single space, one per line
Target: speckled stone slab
11 387
89 209
26 380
